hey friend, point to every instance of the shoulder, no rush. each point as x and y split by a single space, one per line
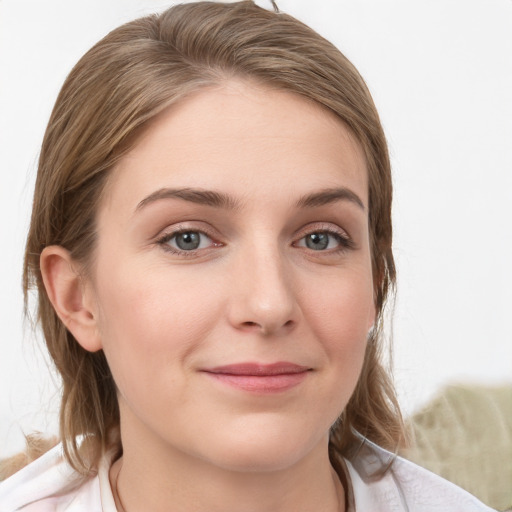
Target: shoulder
427 491
50 484
390 483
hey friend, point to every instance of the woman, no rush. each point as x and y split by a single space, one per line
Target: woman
211 244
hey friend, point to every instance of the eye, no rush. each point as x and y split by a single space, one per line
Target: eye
186 241
324 241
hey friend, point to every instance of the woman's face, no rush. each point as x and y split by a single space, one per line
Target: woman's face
232 286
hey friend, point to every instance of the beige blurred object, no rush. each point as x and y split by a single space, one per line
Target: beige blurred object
36 445
465 435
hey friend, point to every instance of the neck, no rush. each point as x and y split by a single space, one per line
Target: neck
152 477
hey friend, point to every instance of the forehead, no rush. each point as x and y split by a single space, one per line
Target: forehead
238 136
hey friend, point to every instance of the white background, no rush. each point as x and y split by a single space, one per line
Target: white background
441 75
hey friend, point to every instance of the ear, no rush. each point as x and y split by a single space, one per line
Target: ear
71 297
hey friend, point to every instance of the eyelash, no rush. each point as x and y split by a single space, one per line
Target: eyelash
164 239
344 241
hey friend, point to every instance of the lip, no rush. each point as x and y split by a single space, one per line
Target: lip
260 378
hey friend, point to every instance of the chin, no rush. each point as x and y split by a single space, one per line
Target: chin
265 449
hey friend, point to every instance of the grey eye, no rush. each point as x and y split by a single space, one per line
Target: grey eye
181 242
188 240
317 241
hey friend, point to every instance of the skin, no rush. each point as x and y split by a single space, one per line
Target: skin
253 291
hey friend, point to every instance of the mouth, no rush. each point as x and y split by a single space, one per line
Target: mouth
260 378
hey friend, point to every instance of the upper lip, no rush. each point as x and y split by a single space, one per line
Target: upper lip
258 369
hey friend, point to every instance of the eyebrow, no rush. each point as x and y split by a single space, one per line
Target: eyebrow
225 201
329 196
193 195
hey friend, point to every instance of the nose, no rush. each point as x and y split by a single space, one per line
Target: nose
264 298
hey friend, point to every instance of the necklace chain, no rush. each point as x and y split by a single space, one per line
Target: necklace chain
117 498
120 506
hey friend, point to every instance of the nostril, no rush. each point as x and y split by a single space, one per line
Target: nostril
250 324
265 329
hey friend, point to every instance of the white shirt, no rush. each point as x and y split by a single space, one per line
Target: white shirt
380 482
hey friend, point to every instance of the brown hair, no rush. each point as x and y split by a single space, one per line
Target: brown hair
123 82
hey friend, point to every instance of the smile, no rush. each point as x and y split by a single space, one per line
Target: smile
260 378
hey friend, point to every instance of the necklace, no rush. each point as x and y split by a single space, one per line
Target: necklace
120 506
115 492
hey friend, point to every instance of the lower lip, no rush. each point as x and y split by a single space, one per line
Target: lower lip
261 383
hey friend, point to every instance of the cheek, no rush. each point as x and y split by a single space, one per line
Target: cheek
342 310
151 322
340 317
